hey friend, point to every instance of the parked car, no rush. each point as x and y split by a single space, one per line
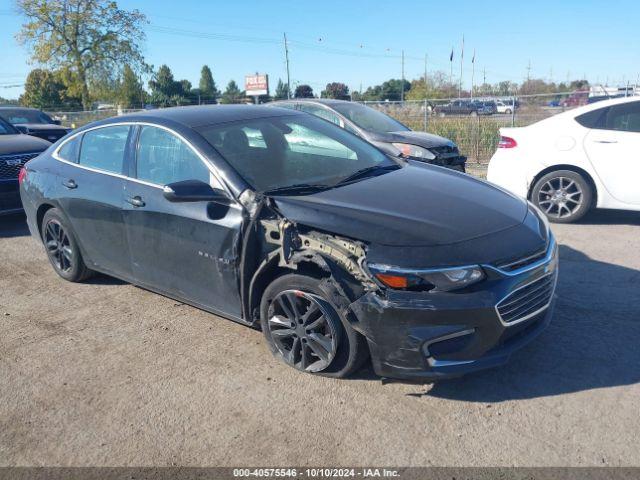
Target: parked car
505 106
15 150
576 99
486 107
34 122
457 107
567 164
335 249
383 131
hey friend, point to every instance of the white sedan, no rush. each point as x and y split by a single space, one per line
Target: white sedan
568 163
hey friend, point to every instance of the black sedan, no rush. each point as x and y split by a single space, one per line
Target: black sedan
278 219
15 150
386 133
34 122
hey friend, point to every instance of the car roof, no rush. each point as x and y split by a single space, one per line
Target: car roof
201 115
601 104
324 101
18 107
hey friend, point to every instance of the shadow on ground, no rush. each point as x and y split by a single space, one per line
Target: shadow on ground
611 217
13 226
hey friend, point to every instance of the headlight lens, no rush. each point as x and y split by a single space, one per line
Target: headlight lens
414 151
439 279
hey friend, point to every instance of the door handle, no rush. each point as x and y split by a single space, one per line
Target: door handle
135 201
70 184
605 141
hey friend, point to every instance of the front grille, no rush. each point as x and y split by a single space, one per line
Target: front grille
512 265
526 301
10 165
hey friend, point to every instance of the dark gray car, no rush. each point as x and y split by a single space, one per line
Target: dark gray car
386 133
15 150
34 122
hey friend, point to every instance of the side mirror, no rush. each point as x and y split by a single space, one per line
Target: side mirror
57 122
22 129
194 191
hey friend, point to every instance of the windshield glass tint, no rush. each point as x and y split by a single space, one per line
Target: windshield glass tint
277 152
368 118
18 115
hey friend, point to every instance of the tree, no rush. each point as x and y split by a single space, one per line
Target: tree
92 38
392 89
232 94
130 89
303 91
165 90
281 91
42 90
336 90
208 90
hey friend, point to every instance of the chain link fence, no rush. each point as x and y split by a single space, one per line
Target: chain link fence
475 134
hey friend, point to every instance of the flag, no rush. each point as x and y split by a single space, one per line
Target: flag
451 56
462 50
473 59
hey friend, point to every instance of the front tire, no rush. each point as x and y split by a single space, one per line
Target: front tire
564 196
305 330
62 248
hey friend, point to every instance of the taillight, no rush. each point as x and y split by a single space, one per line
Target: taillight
507 142
22 175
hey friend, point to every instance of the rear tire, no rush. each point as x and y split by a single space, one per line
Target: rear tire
62 248
564 196
305 330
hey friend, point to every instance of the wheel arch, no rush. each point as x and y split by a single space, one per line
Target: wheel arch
553 168
267 272
40 213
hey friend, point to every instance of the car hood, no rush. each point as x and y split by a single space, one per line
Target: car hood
13 144
417 205
422 139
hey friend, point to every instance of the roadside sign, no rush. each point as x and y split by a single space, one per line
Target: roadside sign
256 85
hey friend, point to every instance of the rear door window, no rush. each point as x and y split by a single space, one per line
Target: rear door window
591 119
623 118
103 148
163 158
69 151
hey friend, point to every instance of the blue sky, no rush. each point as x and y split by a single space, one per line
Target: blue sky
360 42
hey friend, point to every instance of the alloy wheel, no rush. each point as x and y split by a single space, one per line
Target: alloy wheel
560 197
303 330
58 245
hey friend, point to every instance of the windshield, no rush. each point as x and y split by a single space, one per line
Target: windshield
6 129
19 115
368 118
277 152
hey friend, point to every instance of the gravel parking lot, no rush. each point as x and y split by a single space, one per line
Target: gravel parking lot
105 373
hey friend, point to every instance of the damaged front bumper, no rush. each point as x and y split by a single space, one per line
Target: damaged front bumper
436 335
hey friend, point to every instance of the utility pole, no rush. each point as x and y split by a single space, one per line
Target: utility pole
461 65
425 75
402 86
286 58
484 75
529 71
473 71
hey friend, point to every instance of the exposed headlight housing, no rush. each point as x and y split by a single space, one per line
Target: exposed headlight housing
414 151
437 279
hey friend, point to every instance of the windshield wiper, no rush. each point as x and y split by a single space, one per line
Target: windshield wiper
298 188
365 172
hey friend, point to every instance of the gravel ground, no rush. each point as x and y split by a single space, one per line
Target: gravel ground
105 373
